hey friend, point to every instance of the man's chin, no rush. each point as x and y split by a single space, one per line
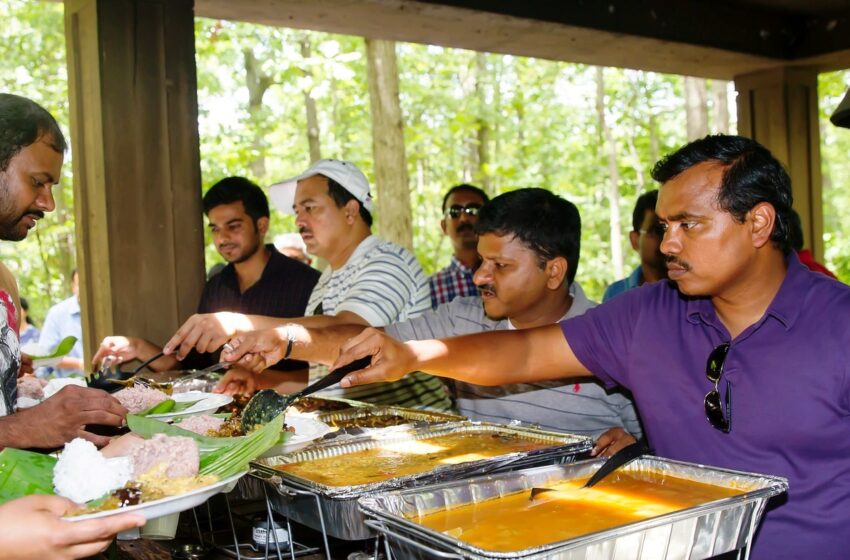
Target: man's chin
15 234
493 313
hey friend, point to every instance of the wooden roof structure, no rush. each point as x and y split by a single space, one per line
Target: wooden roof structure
133 93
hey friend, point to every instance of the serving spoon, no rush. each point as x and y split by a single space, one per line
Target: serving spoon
619 459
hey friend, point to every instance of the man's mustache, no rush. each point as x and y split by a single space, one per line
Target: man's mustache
465 227
487 288
302 230
672 259
37 213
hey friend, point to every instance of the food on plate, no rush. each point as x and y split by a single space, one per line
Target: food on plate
409 457
203 424
369 421
514 522
138 399
318 404
176 456
82 474
31 387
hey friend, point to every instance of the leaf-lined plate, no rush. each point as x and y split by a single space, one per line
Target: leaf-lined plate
194 403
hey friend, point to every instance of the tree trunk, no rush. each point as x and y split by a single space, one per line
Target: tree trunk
613 193
483 172
309 102
391 180
257 84
696 110
721 106
653 139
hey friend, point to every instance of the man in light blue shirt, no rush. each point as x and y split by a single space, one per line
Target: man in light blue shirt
63 319
645 238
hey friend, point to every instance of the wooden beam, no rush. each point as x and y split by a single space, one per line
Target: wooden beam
137 182
779 108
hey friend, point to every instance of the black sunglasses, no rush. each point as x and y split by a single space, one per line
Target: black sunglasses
455 211
714 409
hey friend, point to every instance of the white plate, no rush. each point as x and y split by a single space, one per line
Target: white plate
172 504
306 431
46 362
207 402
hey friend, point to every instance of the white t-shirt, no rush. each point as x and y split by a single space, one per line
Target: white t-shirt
383 283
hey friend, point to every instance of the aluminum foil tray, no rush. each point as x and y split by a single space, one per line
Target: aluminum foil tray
374 413
334 509
690 534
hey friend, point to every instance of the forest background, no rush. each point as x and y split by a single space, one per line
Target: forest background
272 100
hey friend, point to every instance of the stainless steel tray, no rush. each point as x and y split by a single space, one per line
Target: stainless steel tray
334 509
411 415
690 534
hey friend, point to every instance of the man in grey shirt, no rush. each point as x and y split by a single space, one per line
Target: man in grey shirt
529 242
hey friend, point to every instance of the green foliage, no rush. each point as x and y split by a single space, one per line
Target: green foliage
539 117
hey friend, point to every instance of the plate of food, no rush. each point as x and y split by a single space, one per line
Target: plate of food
154 403
305 431
170 504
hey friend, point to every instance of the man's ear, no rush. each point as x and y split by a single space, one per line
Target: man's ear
556 270
762 218
352 210
634 239
263 226
443 226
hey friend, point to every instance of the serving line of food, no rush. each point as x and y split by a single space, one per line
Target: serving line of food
434 485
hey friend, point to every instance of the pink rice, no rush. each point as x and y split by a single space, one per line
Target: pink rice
179 454
136 399
202 424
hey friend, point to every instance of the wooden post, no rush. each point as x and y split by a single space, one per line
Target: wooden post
137 180
779 108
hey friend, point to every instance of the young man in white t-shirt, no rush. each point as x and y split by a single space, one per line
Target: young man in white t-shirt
368 281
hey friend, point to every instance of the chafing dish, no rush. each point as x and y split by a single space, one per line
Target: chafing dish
693 533
333 509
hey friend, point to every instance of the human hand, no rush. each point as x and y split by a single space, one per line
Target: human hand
64 417
206 332
611 441
391 359
33 528
237 381
257 350
26 365
119 349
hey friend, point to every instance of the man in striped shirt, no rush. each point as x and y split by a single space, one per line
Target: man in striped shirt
529 241
368 281
460 212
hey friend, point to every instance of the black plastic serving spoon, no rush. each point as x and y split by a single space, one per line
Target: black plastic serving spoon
265 405
619 459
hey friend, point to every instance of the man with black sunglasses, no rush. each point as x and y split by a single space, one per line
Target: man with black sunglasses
645 238
460 212
740 361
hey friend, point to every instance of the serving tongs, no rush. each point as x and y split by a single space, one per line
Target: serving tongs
619 459
260 410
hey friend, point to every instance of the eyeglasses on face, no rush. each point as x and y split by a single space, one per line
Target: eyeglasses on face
456 210
714 408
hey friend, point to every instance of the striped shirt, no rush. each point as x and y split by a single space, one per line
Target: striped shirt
579 408
453 281
382 283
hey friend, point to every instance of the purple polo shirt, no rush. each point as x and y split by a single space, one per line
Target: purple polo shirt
790 387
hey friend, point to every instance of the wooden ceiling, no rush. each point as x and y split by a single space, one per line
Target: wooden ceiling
712 39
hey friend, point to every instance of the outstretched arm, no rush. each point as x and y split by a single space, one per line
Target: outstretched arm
492 358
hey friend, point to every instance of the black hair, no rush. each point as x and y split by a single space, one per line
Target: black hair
341 196
23 122
543 221
795 231
467 188
25 305
751 176
238 189
646 201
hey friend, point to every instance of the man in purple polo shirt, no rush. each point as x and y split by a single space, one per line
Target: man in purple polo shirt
741 317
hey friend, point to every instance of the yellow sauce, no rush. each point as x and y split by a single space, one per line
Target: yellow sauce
409 457
514 522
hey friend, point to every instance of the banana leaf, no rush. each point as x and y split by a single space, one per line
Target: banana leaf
23 473
147 427
65 345
228 461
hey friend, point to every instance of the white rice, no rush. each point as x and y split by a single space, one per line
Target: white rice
82 474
